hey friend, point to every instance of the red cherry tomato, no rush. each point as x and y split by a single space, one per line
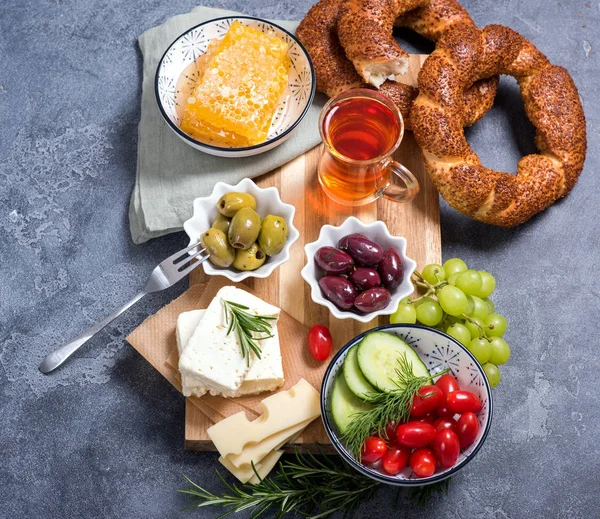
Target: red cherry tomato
373 449
427 399
423 462
428 418
415 434
395 459
446 447
444 423
467 428
320 342
444 412
462 401
447 383
390 431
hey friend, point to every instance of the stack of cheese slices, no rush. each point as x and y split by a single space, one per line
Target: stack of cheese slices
210 359
242 443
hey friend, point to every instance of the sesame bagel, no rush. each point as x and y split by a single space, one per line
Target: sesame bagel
465 54
335 73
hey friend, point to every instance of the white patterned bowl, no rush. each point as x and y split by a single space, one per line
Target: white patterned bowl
184 52
438 351
267 202
377 232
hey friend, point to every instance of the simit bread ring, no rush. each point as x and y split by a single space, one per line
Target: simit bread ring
335 73
465 54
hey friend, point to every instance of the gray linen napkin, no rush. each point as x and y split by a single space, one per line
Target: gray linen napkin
170 174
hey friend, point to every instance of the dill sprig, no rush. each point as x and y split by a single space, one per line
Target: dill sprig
246 326
307 485
393 405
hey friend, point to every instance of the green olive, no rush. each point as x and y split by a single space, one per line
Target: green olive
244 228
220 253
222 223
249 259
231 203
273 234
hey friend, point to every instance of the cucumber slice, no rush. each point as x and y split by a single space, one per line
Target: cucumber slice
378 355
344 403
352 375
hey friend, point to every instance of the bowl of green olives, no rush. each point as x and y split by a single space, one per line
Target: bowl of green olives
246 230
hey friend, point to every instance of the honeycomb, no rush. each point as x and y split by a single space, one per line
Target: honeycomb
236 97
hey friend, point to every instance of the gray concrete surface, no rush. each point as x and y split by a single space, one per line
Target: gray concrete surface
103 437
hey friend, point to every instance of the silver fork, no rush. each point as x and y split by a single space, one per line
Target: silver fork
166 274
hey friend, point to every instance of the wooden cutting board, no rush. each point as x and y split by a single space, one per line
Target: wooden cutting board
297 183
418 222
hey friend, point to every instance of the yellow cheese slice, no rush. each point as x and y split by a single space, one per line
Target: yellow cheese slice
246 473
257 451
279 412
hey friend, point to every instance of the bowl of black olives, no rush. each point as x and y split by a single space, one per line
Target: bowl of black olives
246 230
359 271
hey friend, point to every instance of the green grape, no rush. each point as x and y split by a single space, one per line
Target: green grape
460 332
488 284
453 277
405 301
418 302
452 300
492 373
404 314
469 282
500 351
433 273
480 348
474 330
449 320
491 305
495 325
454 266
480 308
429 312
470 305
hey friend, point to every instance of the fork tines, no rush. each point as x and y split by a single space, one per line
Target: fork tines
182 262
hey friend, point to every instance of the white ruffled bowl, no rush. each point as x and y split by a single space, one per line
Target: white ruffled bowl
268 202
377 232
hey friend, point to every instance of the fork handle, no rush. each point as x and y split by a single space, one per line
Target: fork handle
58 356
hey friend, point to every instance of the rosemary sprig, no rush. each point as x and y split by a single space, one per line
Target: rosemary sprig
307 485
388 406
246 326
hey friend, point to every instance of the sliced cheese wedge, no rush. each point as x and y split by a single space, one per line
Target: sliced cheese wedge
255 452
246 473
186 324
279 412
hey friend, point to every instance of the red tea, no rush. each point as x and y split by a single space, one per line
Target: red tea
357 129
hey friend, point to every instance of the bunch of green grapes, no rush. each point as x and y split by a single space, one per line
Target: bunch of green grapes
457 301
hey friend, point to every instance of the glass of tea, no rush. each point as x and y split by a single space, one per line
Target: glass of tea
361 129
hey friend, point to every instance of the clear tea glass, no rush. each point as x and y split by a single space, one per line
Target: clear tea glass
361 129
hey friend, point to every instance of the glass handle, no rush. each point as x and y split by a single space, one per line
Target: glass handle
404 187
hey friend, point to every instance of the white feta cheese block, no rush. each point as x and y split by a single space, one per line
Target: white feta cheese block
187 322
212 359
266 374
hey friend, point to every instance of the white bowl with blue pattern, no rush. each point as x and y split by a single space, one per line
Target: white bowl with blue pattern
176 76
438 351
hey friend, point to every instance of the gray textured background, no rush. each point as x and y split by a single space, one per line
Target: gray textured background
103 437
